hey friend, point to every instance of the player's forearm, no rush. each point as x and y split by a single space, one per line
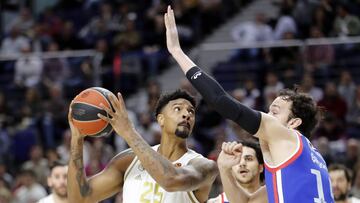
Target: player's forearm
183 60
222 102
161 169
232 191
78 187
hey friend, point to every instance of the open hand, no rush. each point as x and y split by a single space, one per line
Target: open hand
118 118
172 37
230 155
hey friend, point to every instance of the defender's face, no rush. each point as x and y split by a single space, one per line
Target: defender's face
249 169
280 109
57 180
179 117
340 185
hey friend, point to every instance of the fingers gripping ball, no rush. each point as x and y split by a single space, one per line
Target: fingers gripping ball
85 108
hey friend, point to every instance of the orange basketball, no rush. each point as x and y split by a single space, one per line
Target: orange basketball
85 108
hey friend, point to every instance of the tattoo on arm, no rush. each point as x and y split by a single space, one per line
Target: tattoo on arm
77 159
165 168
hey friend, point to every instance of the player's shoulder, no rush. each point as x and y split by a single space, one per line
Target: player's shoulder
123 159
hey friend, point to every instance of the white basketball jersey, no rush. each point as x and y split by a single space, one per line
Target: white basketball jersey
140 187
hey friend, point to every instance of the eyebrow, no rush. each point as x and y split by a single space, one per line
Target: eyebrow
180 104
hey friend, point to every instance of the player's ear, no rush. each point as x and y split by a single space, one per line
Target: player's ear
261 168
160 119
294 123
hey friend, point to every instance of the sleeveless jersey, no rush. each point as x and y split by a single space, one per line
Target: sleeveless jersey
302 178
219 199
140 187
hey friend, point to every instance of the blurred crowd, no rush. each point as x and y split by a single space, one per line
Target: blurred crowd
35 92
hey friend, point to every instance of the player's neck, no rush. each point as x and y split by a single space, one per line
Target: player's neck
172 148
252 186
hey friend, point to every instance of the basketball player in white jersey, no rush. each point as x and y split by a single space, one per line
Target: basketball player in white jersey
245 169
168 173
57 181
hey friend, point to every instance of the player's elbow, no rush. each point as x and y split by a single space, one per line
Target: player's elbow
171 183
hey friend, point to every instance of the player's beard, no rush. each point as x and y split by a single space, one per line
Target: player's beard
60 193
184 133
341 197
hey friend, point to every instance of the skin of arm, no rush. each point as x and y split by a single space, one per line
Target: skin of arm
100 186
199 173
229 156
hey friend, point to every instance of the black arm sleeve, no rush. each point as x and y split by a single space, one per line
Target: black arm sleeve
222 102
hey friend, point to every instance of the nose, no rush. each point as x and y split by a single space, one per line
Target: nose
186 115
242 162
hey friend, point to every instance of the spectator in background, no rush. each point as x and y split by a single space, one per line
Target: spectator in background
39 39
38 164
5 193
285 24
67 39
341 183
318 58
353 115
333 102
14 43
4 174
330 127
57 181
323 146
308 86
272 88
29 191
250 32
56 70
355 190
24 21
323 20
347 88
352 153
101 26
28 69
346 24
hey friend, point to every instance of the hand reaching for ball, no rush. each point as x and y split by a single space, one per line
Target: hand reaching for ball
75 132
118 118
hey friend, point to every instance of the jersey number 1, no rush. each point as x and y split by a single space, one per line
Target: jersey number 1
320 190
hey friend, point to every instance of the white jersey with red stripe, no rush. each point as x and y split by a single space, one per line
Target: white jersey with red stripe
140 187
219 199
302 178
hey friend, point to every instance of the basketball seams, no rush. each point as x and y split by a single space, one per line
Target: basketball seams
100 131
79 102
103 95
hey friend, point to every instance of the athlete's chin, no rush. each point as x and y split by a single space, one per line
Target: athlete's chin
182 133
62 192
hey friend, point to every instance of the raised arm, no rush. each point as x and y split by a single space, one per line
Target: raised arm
99 187
211 90
230 155
198 174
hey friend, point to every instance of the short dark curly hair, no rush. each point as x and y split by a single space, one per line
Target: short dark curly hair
166 98
304 107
